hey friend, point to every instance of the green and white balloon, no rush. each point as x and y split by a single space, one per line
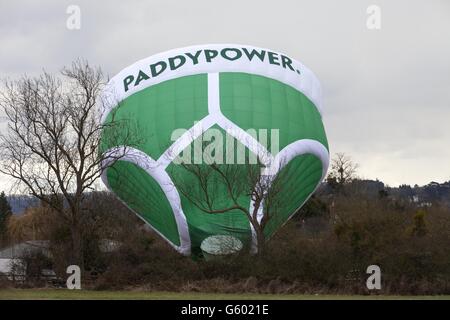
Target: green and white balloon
224 87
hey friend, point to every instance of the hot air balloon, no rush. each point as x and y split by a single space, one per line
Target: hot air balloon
176 99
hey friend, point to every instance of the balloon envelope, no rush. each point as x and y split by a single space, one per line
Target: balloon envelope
205 104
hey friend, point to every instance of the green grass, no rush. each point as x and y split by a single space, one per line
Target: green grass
44 294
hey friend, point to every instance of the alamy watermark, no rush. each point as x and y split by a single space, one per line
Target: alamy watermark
73 21
74 280
373 21
231 146
374 280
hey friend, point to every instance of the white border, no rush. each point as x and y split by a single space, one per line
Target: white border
160 175
305 82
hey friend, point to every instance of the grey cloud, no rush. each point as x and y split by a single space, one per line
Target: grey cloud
387 97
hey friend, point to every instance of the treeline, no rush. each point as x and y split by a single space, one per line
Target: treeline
426 195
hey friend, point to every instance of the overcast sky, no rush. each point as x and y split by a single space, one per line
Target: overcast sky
386 91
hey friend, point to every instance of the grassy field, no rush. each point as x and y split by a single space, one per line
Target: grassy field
43 294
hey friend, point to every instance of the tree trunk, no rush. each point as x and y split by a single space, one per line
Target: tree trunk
260 238
77 246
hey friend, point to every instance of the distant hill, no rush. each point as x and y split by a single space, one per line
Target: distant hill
433 192
19 203
430 193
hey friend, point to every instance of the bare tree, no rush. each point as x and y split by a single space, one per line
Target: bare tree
52 145
204 185
343 170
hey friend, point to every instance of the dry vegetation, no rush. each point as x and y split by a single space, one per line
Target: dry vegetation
325 248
